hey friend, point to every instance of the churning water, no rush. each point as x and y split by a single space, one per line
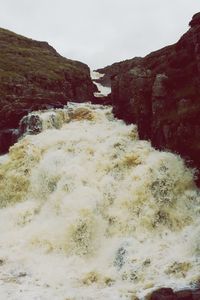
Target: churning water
88 211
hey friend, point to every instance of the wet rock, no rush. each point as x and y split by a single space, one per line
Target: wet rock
196 295
120 257
184 295
169 294
7 138
102 100
22 274
163 294
31 124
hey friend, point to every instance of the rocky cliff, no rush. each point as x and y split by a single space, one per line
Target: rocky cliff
161 94
34 76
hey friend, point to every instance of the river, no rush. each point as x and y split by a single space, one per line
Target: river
90 212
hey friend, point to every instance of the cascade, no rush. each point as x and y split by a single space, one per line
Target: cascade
103 91
88 211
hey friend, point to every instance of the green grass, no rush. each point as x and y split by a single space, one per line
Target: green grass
32 72
20 56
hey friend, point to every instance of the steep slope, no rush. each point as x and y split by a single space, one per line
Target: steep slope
160 93
34 76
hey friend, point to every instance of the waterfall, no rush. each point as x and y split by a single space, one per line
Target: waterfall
103 91
88 211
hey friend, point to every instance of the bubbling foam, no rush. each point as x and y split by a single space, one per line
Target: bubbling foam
110 215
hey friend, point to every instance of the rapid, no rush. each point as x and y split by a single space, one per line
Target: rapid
90 212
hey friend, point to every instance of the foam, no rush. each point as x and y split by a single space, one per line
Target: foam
88 211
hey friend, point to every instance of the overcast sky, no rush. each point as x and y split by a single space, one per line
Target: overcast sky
100 32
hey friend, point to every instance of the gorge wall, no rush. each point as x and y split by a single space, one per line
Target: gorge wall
161 94
34 76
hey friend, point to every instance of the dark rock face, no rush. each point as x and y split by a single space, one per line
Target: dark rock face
34 76
163 294
160 93
169 294
195 20
106 100
7 137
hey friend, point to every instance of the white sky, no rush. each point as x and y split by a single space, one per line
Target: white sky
100 32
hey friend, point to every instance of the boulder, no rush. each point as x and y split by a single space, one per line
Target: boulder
169 294
163 294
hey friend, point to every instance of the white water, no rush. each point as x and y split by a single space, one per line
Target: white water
3 158
103 91
90 212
